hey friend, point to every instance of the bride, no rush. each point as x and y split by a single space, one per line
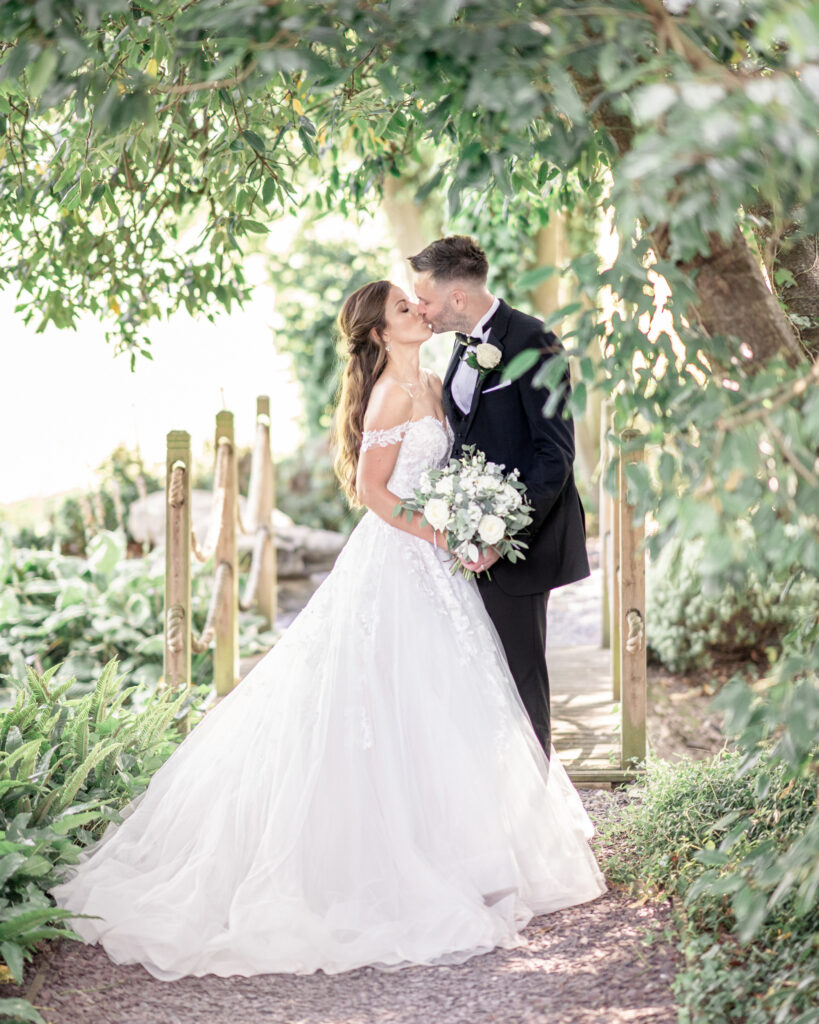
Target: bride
372 792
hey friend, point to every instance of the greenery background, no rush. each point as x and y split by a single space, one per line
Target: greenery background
148 148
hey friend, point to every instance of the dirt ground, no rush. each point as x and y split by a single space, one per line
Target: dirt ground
605 962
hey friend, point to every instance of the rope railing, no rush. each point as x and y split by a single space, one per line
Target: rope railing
219 512
221 624
221 581
256 566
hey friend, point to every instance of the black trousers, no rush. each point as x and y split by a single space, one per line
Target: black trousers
521 623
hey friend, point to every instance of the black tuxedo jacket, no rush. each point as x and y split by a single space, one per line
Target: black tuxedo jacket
507 423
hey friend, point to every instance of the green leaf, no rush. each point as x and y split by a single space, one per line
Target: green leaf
253 140
9 863
18 921
521 364
269 191
12 954
40 72
75 780
530 279
20 1009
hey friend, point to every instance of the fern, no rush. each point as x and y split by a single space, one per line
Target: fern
107 685
37 686
24 756
76 779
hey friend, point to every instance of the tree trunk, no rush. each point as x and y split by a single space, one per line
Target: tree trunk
733 296
550 244
413 225
801 297
734 299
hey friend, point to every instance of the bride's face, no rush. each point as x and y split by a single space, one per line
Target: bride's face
404 325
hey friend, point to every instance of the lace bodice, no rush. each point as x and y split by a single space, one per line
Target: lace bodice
425 442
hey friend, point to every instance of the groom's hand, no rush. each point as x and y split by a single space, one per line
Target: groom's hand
484 562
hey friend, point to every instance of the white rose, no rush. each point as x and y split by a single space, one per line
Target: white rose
436 513
491 529
488 356
512 495
444 485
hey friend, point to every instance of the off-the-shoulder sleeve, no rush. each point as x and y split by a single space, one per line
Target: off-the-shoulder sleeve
384 438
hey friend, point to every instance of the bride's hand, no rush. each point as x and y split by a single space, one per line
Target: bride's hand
483 563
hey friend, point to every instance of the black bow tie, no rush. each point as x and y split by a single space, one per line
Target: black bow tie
465 339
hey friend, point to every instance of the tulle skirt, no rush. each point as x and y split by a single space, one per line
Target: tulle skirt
371 793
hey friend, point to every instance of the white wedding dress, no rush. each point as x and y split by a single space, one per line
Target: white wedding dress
371 793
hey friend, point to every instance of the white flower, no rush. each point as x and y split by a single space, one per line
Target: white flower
491 529
436 513
473 553
425 481
444 485
488 356
487 483
512 496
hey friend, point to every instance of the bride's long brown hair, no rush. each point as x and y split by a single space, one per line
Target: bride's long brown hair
360 322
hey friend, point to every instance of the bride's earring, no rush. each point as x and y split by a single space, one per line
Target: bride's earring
386 348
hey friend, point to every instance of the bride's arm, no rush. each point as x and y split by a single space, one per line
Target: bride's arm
389 407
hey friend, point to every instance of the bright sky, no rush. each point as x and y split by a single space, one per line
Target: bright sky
66 402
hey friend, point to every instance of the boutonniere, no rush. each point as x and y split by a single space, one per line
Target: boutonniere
484 359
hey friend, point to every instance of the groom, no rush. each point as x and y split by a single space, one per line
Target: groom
505 420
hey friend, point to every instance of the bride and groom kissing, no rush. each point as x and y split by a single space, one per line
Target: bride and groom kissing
379 789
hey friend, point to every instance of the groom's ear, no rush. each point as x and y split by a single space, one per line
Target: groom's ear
458 298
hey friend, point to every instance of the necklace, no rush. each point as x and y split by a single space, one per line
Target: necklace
409 384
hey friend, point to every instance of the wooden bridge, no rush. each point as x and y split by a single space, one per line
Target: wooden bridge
598 692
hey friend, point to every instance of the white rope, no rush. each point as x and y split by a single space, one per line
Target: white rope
221 581
252 585
175 625
636 630
218 506
176 491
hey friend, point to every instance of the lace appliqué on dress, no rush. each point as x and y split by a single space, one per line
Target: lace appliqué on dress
384 438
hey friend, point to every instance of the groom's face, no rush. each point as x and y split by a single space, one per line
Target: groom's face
438 303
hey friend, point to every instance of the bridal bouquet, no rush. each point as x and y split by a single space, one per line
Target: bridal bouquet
475 504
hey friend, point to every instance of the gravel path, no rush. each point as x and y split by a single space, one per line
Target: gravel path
605 962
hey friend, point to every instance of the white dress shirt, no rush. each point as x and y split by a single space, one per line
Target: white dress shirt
466 377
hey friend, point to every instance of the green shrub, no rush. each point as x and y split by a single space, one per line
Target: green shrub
696 621
81 612
711 838
67 766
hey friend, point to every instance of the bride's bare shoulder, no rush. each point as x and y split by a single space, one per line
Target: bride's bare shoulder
389 406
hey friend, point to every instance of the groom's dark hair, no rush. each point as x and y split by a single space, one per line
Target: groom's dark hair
455 258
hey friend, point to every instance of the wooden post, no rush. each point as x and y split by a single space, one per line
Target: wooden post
615 512
226 625
632 617
177 661
261 501
604 521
